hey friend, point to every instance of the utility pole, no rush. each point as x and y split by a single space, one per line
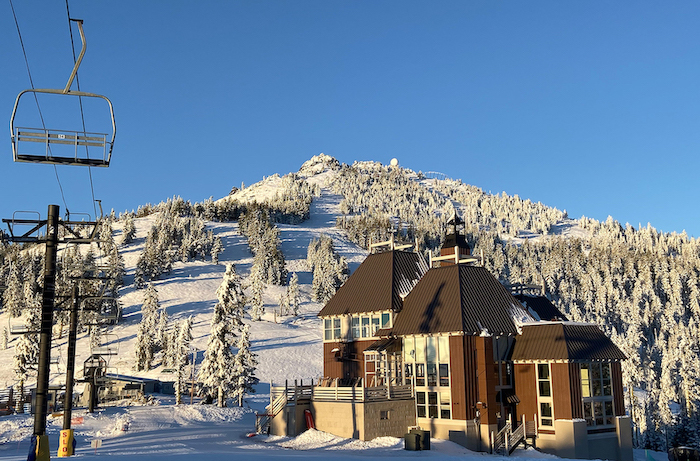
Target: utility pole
42 381
39 450
66 439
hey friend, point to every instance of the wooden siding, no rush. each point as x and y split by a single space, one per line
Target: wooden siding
464 387
618 392
576 395
486 380
561 391
352 364
526 390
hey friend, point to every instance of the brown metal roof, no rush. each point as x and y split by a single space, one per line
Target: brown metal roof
377 284
542 306
565 341
458 298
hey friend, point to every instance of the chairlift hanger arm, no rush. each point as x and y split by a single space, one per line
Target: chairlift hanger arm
80 57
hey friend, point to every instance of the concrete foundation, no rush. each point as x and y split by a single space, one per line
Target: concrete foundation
364 420
465 433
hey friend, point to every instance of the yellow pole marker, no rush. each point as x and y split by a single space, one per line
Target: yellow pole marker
65 443
41 451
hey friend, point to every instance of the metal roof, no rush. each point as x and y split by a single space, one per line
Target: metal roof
378 284
564 341
458 298
542 306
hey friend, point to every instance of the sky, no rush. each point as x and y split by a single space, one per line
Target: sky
592 107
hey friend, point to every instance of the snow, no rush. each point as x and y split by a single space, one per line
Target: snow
287 348
205 432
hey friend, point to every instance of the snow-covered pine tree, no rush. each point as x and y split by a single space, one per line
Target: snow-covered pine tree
329 270
26 354
145 341
216 250
230 295
293 294
215 372
257 286
182 349
5 338
162 330
244 367
283 304
13 297
129 231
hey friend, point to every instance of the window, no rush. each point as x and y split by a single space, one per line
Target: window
420 374
384 414
544 394
596 391
327 330
432 375
444 375
546 413
355 327
336 328
420 405
375 325
445 408
365 327
544 387
431 357
433 405
385 320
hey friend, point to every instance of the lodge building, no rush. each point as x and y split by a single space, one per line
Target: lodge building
445 346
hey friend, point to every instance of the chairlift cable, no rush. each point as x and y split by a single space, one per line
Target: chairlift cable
31 82
80 101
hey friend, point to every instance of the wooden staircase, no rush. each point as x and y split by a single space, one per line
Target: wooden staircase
507 439
262 421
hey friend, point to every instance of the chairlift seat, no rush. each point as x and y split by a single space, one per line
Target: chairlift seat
36 145
21 330
103 350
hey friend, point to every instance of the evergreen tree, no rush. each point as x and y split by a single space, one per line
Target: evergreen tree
257 305
5 338
129 231
244 368
216 370
162 330
231 297
329 270
216 250
182 342
13 296
145 341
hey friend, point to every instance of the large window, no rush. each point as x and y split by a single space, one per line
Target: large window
544 394
427 364
366 326
433 404
331 329
596 390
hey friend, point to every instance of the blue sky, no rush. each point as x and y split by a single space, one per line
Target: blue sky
592 107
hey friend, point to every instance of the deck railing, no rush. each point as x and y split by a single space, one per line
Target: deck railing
346 393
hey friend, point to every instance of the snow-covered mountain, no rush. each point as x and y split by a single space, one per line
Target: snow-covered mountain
641 286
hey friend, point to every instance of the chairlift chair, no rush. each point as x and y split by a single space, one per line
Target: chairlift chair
35 145
21 329
110 345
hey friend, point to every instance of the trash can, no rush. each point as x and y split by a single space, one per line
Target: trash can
423 438
411 442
